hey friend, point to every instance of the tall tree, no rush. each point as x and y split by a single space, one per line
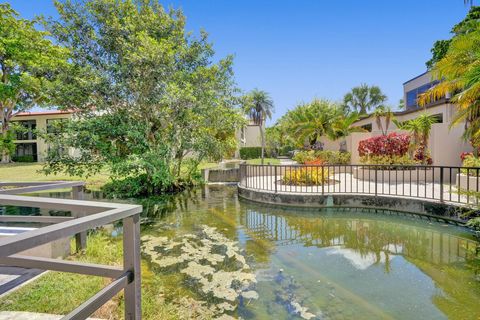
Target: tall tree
364 98
459 72
151 102
259 106
440 47
29 67
420 128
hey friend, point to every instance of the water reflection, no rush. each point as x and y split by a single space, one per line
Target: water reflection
327 264
338 264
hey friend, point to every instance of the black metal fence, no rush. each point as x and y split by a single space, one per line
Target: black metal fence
451 184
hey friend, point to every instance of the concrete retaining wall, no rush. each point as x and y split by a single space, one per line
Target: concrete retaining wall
221 175
443 211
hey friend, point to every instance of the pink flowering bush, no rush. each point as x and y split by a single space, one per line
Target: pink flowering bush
393 144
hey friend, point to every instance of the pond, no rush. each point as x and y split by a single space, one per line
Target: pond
237 258
313 264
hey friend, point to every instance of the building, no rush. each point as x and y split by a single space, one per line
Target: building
446 142
249 136
29 146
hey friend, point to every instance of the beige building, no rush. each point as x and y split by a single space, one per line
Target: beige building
249 136
446 143
28 145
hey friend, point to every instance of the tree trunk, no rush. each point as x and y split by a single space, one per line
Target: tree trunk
262 137
5 126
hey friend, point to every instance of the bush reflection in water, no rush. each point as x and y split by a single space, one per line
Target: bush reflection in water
324 264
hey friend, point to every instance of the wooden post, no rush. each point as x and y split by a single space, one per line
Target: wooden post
131 263
80 238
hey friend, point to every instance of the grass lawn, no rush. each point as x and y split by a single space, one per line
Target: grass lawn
60 293
31 172
266 161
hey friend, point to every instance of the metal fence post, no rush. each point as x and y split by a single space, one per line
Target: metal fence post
441 183
321 179
376 181
275 179
80 238
131 263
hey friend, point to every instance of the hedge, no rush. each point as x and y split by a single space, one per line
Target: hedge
247 153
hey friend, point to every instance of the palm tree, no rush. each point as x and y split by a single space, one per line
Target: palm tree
380 113
459 72
259 106
364 98
344 126
420 128
314 120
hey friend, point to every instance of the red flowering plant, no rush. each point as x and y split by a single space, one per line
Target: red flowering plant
393 144
316 162
391 149
422 156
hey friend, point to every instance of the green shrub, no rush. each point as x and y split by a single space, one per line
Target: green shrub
250 153
325 156
304 156
387 160
286 151
305 176
29 158
470 161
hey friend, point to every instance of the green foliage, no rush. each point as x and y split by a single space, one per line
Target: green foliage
388 160
470 161
23 159
250 153
30 64
7 144
306 176
364 98
439 50
383 113
286 151
325 157
161 105
440 47
307 123
474 223
420 128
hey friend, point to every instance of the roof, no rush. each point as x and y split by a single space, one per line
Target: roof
416 77
399 113
43 113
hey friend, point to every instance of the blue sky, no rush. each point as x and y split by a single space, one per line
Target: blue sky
302 49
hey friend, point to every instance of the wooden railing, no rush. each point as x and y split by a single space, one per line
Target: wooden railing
77 188
88 215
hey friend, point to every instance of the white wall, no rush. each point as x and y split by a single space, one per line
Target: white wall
445 144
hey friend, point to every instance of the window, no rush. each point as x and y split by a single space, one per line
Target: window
439 117
25 152
367 127
412 95
27 130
